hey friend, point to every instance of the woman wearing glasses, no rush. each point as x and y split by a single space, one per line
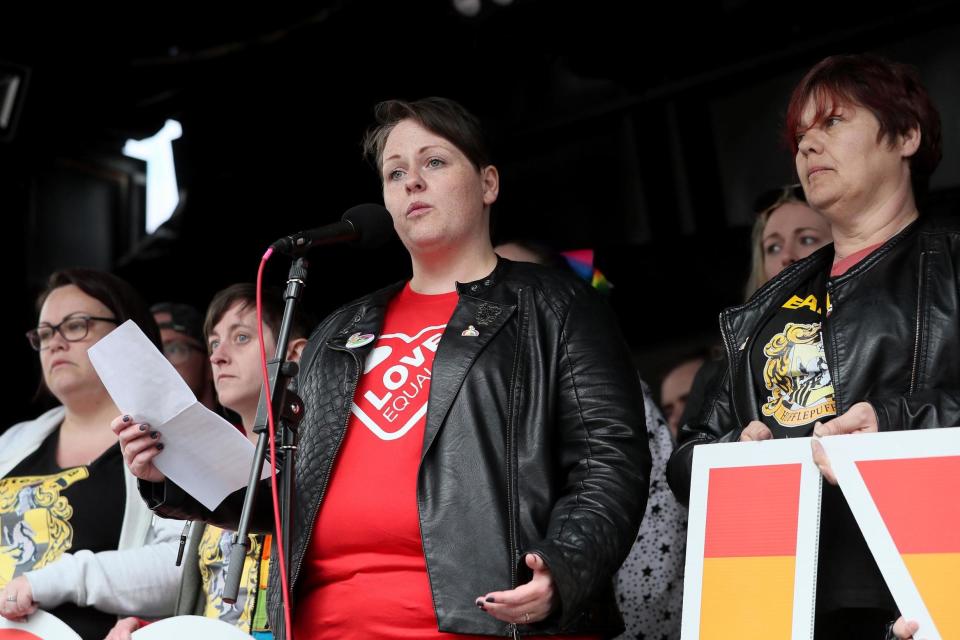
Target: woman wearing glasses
77 540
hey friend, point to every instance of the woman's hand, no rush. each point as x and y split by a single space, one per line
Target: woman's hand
123 629
528 603
905 630
139 446
755 431
17 600
860 418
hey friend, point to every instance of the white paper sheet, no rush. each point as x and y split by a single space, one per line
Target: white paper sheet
844 452
749 454
203 453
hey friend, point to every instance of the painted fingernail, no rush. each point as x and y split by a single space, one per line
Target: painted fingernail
144 426
491 599
480 606
126 418
154 434
160 446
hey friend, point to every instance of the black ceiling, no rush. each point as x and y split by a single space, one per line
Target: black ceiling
529 63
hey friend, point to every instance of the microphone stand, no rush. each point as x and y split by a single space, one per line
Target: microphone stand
288 410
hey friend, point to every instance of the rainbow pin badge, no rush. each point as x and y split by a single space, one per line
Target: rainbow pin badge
358 340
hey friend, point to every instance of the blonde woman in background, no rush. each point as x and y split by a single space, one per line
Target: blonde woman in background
787 229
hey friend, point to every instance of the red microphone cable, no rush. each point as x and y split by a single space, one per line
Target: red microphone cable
281 552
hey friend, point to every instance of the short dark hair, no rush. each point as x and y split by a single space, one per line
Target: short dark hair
442 116
115 294
183 319
246 294
891 91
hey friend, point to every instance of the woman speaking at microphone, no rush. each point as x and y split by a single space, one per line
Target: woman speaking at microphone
473 460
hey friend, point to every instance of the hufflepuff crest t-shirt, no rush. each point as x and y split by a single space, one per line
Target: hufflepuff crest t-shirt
46 511
790 365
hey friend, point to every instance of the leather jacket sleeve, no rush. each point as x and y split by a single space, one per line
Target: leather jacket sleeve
926 409
709 417
935 401
603 447
169 500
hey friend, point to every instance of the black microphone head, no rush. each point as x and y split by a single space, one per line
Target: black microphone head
372 222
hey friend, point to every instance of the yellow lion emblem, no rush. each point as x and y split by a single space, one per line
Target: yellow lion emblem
214 552
797 377
35 525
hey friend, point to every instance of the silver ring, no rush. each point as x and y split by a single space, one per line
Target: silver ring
526 618
11 598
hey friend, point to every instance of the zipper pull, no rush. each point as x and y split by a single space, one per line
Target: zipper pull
183 541
513 631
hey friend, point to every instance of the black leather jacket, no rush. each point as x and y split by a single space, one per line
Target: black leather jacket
892 339
546 396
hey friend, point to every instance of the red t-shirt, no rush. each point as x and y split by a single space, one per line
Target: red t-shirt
364 574
840 267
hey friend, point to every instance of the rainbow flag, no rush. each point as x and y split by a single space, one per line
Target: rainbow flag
581 262
916 498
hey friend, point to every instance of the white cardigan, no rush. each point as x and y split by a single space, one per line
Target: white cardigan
139 578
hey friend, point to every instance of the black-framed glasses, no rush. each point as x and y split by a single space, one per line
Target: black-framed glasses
73 328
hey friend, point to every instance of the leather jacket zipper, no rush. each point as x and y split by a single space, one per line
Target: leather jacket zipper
731 354
426 562
833 362
916 334
511 443
511 470
326 477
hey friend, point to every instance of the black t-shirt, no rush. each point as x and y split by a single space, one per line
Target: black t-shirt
796 390
46 511
790 365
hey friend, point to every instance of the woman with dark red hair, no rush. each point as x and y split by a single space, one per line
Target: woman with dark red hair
862 335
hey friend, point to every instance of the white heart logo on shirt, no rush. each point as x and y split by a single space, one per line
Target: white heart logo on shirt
396 382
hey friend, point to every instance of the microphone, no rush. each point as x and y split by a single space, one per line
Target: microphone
369 225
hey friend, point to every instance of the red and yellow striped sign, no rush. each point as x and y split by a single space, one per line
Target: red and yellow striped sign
916 498
750 548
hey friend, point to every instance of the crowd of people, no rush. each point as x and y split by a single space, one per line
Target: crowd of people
478 456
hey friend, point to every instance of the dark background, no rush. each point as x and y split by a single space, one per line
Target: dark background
641 130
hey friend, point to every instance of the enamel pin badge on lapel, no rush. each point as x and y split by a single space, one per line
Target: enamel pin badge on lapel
359 339
470 331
